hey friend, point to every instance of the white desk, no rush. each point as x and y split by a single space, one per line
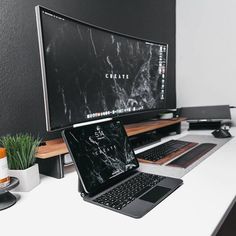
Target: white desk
196 208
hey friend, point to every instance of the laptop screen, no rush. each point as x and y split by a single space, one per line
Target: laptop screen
101 153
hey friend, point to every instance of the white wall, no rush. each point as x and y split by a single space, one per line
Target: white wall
206 53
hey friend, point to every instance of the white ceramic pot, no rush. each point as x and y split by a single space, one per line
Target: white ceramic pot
28 178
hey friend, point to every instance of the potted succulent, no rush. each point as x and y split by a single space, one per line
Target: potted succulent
21 150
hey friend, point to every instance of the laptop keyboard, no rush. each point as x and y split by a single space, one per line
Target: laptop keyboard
128 191
172 147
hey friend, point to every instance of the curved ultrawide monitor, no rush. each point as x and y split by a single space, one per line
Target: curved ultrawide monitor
91 73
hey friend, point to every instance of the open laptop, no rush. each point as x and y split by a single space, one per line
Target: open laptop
108 170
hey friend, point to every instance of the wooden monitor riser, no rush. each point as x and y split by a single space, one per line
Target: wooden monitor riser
58 147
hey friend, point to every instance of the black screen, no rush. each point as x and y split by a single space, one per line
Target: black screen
101 153
91 73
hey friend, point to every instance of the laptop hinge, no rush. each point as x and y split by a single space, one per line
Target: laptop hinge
81 189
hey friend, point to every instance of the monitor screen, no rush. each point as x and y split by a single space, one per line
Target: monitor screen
91 73
101 153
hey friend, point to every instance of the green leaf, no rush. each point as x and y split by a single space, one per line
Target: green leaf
21 150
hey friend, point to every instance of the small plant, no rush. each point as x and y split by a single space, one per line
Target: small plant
21 150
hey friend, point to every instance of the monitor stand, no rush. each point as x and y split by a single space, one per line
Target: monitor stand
50 157
145 133
131 119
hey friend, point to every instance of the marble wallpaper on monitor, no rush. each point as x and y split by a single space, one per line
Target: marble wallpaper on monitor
92 73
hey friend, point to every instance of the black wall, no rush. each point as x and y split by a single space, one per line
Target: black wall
21 95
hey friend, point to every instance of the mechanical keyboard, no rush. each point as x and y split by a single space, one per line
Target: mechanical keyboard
165 152
193 155
125 193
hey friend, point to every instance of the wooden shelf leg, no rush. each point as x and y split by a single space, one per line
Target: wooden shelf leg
178 128
53 167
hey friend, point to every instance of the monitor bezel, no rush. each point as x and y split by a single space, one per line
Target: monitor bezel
49 127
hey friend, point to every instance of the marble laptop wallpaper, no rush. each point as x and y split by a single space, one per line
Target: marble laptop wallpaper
101 152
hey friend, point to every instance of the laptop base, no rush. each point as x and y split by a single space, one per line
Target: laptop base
143 204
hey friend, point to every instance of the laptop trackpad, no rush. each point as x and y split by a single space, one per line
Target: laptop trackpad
155 194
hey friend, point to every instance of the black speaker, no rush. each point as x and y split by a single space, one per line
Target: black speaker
205 117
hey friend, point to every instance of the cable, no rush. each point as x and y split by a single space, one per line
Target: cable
231 107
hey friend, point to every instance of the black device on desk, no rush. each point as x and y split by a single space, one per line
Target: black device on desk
205 117
92 73
193 155
165 152
107 168
221 133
